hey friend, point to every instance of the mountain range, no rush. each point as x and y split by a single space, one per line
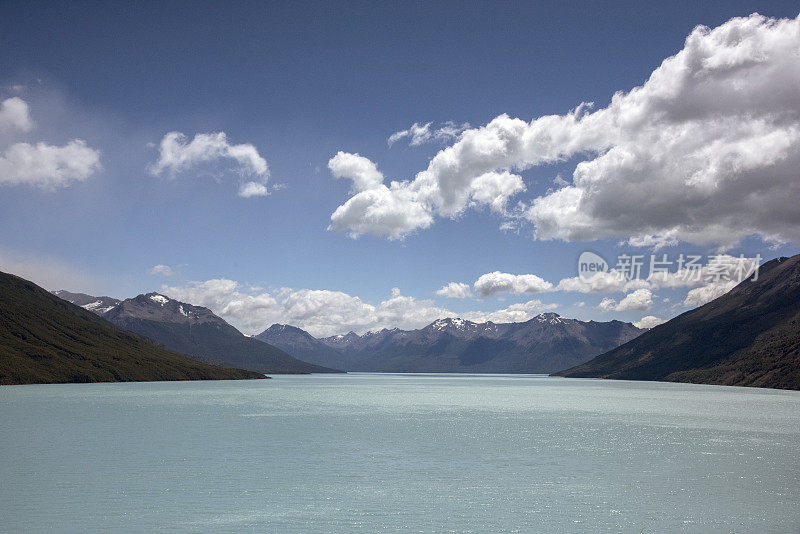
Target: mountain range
748 337
544 344
192 330
45 339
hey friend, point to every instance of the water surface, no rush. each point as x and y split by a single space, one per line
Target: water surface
399 453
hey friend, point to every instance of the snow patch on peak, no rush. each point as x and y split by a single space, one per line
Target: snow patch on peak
160 299
549 318
456 322
97 307
183 312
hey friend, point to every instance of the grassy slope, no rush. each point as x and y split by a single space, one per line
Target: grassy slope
44 339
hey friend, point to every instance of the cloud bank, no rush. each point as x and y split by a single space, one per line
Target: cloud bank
705 151
324 312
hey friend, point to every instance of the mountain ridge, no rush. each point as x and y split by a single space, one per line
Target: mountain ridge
538 345
748 337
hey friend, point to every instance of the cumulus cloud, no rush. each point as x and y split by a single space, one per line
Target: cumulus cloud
718 268
705 151
177 154
42 165
720 274
648 321
419 134
641 300
704 294
253 189
516 313
363 172
15 115
455 290
319 311
46 166
161 270
324 312
375 209
601 282
494 283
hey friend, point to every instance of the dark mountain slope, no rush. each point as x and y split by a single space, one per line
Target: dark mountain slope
747 337
44 339
304 346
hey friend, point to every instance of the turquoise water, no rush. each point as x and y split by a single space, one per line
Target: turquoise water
399 453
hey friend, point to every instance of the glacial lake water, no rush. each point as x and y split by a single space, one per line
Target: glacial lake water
399 453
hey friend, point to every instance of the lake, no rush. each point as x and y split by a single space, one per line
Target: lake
399 453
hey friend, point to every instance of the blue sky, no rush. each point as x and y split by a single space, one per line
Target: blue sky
299 82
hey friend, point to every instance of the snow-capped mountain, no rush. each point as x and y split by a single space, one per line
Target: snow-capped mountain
192 330
544 344
98 305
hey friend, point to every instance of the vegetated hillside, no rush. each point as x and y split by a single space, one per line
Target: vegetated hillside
44 339
747 337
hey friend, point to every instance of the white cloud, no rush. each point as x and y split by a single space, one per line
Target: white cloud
717 268
491 284
46 166
40 165
493 189
641 299
324 312
702 295
419 134
720 274
15 115
607 304
375 209
648 321
516 313
320 312
363 172
601 282
177 155
455 290
253 189
161 270
705 151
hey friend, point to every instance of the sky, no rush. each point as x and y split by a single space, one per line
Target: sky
363 165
